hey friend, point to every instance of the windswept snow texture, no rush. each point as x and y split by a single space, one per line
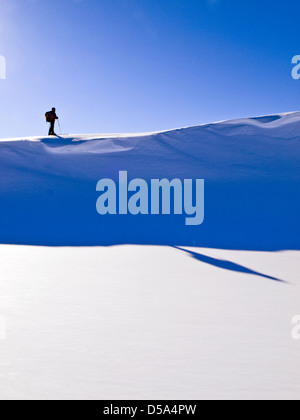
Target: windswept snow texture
250 166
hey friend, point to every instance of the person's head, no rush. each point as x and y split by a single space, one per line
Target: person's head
53 109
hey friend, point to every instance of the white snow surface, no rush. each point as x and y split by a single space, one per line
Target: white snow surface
140 322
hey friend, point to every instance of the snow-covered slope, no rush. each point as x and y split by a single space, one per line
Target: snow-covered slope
184 321
250 166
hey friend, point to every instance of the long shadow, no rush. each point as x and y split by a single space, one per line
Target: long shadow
226 265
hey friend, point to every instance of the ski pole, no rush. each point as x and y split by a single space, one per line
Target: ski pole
59 126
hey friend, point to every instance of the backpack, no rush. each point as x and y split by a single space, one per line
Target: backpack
49 116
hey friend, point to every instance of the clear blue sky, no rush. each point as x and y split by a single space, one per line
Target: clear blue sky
142 65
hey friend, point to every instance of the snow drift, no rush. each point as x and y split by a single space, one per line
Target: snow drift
250 166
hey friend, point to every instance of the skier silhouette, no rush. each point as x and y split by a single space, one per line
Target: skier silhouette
50 118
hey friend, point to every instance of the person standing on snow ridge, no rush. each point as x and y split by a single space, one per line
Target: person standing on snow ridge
50 118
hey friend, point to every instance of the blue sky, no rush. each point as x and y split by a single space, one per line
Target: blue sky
144 65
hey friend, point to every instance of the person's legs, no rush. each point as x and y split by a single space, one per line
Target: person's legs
51 129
